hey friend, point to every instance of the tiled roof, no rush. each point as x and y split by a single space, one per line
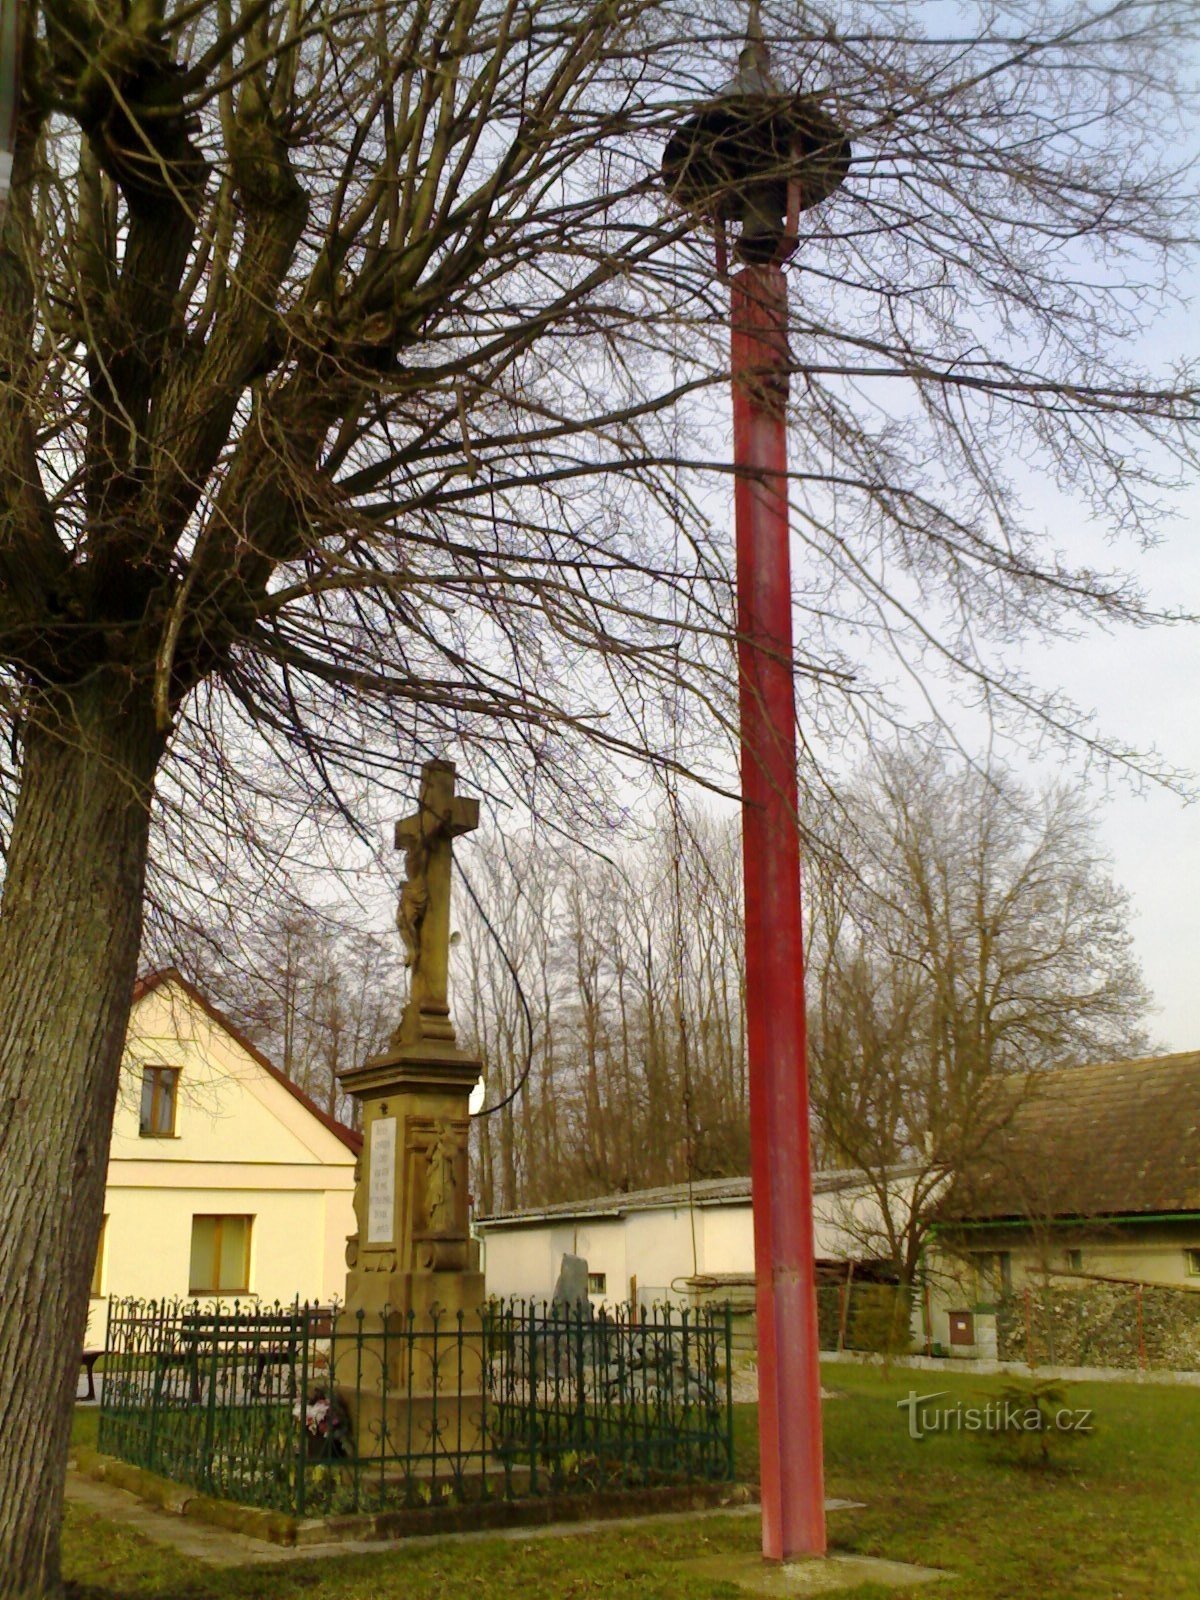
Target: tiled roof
710 1191
1118 1139
147 985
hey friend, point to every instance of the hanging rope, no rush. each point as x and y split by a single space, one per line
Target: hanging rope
671 786
526 1012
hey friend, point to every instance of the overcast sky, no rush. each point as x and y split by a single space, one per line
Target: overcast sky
1144 686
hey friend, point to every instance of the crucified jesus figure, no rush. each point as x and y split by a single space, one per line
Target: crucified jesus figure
423 915
414 899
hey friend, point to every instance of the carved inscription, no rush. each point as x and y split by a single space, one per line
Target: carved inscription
381 1184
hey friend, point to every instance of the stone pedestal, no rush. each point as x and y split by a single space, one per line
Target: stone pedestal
411 1384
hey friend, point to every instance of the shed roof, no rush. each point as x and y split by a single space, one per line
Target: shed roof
704 1192
1121 1138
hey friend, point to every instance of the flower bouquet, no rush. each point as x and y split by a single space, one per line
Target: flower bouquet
326 1425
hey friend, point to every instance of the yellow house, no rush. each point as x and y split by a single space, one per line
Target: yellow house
224 1179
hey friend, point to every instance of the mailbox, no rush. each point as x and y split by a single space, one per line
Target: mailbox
962 1327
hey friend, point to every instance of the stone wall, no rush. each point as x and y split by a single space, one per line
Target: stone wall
1101 1325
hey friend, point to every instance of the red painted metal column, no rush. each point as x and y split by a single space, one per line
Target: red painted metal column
789 1384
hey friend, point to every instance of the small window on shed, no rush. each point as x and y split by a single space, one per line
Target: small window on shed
598 1282
1192 1258
993 1273
1075 1260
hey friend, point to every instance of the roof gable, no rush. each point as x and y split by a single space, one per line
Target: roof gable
234 1103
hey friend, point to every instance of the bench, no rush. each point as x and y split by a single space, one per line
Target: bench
88 1362
268 1338
320 1326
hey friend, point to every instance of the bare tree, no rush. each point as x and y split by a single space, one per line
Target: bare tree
504 998
337 344
317 995
605 1000
966 935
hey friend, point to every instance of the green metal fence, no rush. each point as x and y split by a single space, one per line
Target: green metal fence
312 1411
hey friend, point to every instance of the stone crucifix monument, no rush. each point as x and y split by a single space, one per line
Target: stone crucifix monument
412 1264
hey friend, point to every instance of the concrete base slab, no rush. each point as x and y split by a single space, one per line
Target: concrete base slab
220 1547
198 1541
824 1575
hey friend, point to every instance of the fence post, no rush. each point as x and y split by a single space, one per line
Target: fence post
210 1410
101 1426
685 1354
580 1395
157 1357
357 1336
843 1311
531 1400
729 1388
1141 1325
409 1345
300 1403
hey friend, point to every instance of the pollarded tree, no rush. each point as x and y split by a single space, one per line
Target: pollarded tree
342 351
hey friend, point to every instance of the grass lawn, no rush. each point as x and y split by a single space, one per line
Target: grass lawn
1119 1519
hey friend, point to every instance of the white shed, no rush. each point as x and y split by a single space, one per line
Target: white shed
661 1244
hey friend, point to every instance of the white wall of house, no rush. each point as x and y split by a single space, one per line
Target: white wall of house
727 1236
655 1246
243 1145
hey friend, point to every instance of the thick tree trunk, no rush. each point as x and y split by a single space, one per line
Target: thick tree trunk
70 925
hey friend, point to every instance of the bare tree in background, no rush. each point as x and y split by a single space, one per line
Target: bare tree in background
343 352
605 1000
504 994
315 995
963 932
967 934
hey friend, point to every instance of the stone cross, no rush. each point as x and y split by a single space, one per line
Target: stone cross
423 916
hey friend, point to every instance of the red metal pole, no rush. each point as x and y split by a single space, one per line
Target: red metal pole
789 1384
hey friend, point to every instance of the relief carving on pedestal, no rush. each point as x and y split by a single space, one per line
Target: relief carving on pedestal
442 1160
379 1261
437 1162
